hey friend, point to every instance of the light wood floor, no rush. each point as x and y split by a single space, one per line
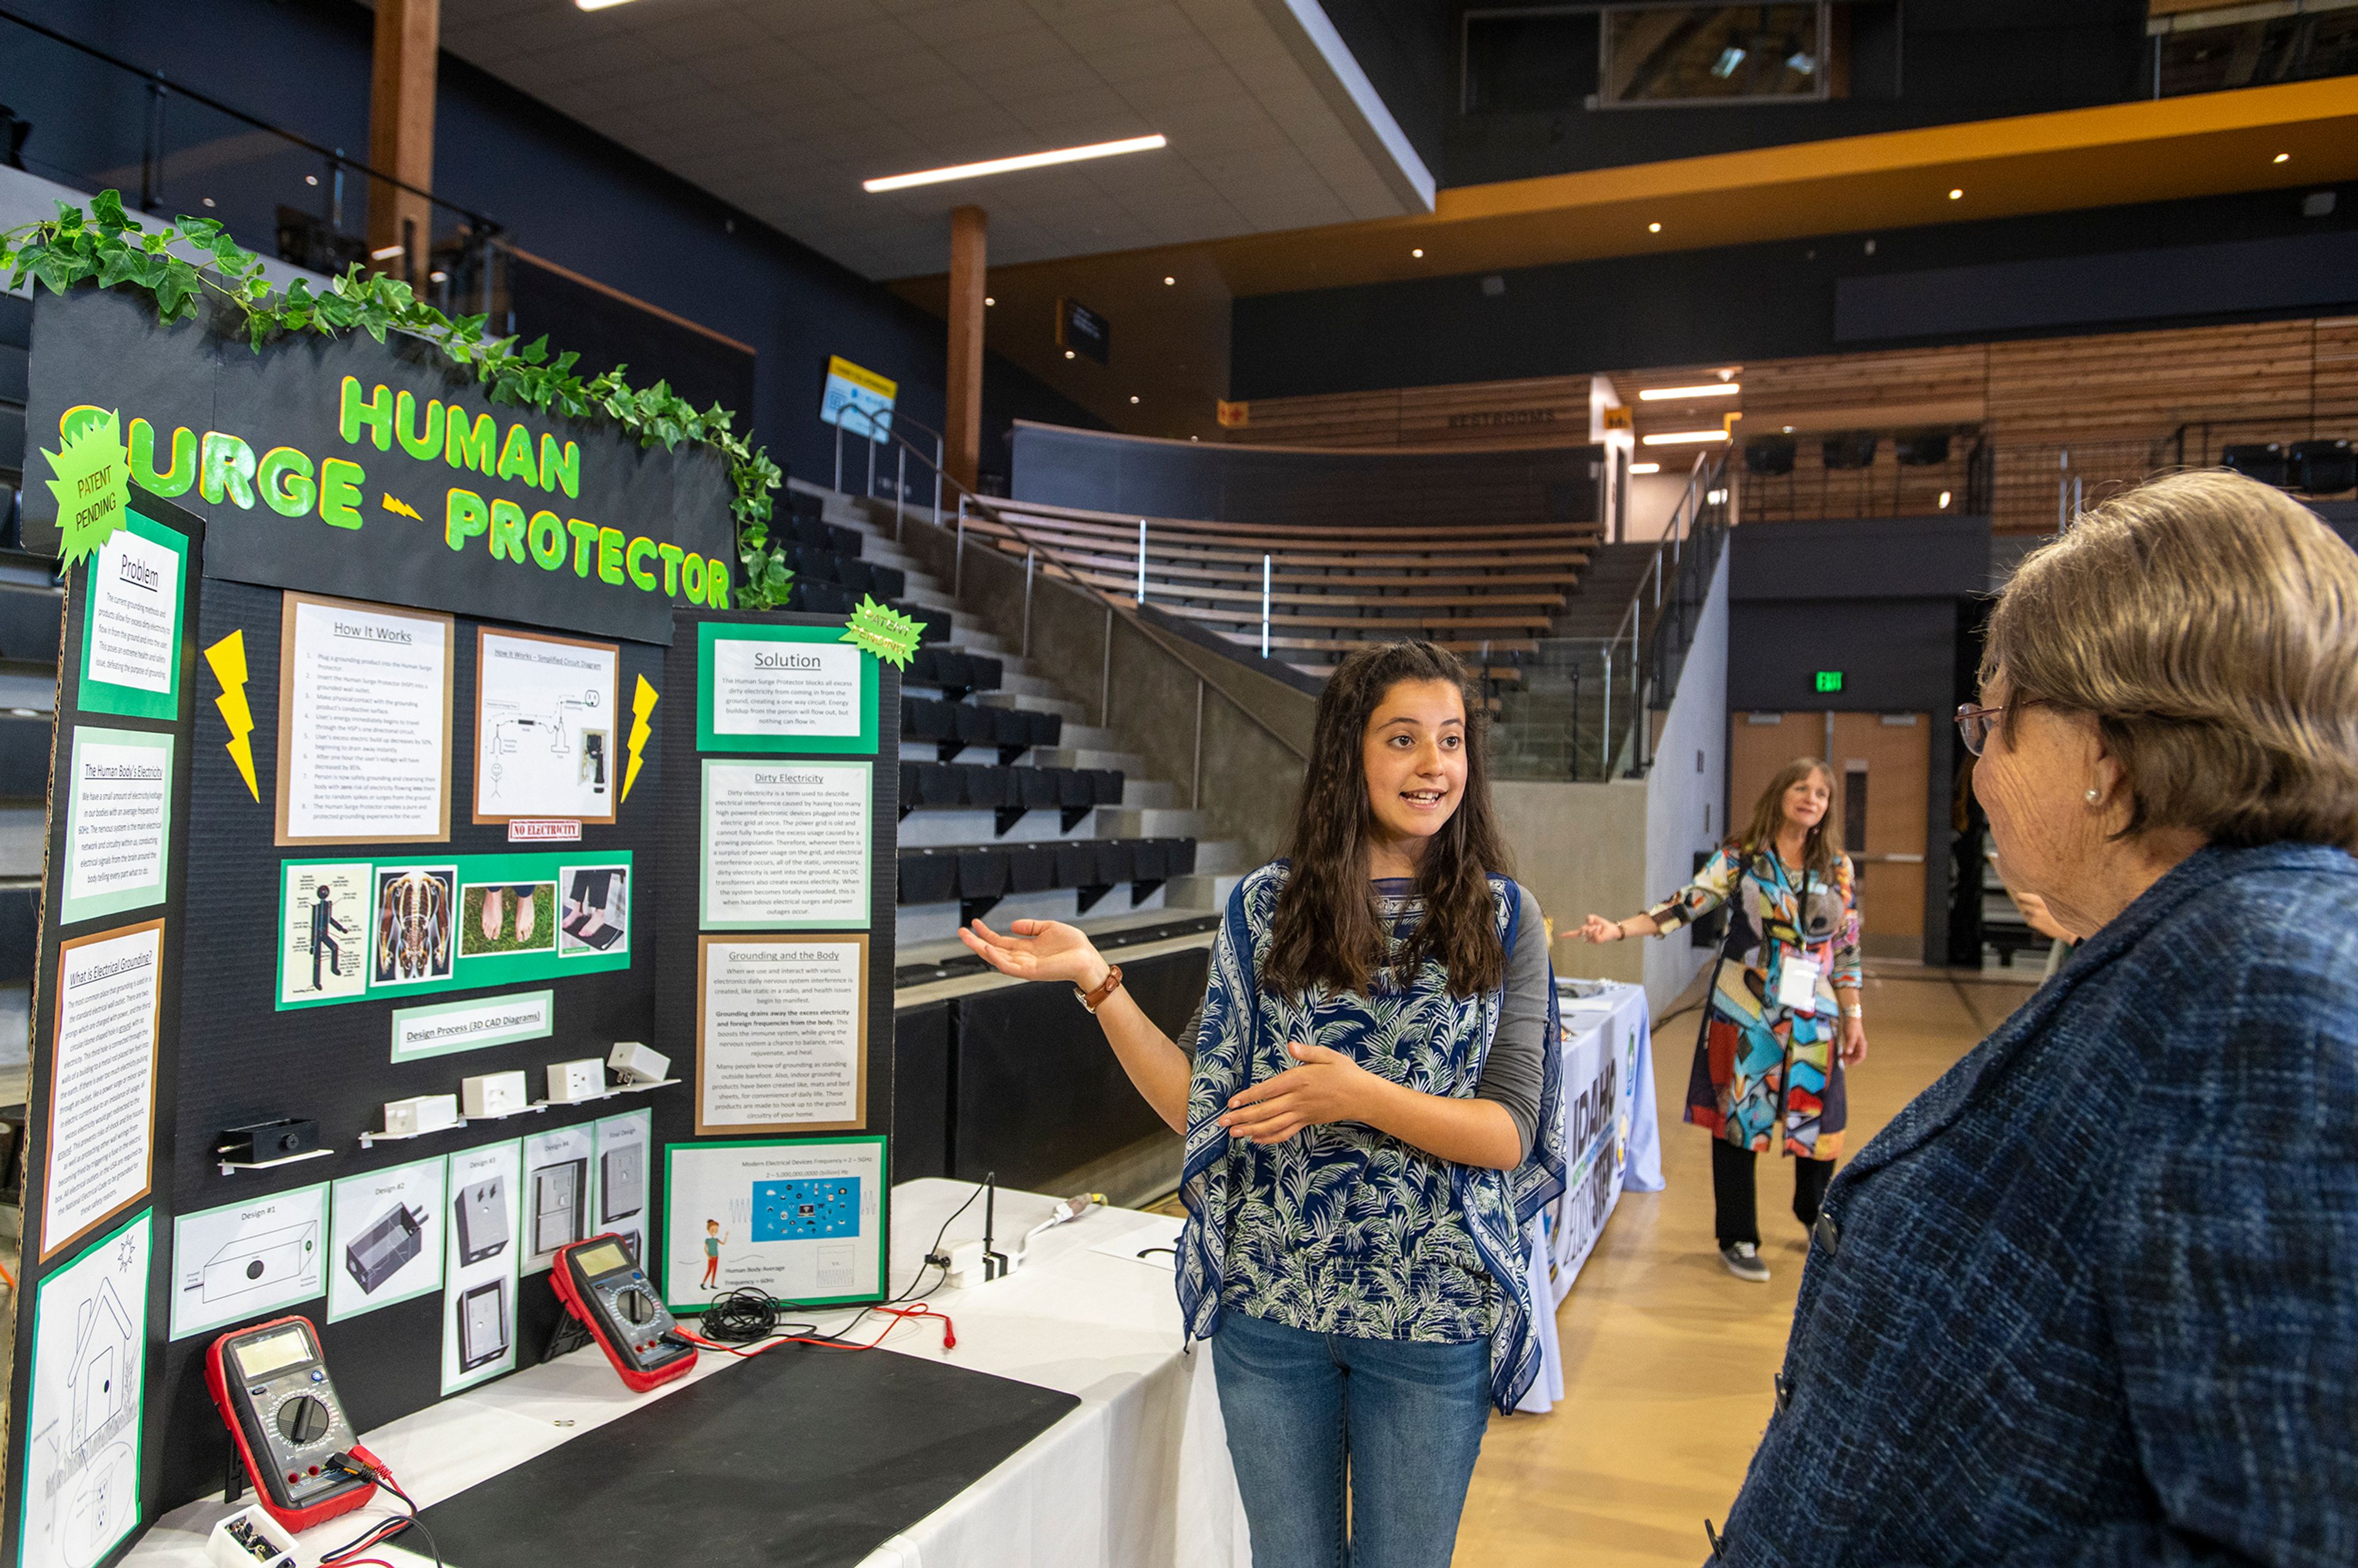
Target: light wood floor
1668 1358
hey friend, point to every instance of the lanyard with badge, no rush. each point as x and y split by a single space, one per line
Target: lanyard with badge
1797 973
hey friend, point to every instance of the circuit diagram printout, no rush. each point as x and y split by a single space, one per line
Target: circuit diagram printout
544 727
90 1336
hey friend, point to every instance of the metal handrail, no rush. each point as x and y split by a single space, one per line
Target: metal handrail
1708 474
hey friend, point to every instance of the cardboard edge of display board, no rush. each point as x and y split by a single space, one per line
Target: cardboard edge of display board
292 601
704 945
484 634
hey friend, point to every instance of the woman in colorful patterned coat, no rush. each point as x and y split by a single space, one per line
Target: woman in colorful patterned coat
1373 1115
1784 1018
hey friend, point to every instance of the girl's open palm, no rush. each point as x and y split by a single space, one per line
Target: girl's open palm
1037 950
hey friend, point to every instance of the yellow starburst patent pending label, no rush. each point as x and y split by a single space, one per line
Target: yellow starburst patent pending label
92 484
884 632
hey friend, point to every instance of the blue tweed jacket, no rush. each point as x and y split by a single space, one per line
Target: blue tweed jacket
2092 1298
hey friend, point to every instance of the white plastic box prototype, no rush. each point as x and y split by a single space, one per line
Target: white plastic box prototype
572 1081
495 1094
420 1113
635 1063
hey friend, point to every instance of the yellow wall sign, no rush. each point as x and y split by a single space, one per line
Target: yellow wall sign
1233 416
858 399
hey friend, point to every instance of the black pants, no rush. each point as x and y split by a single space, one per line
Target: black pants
1738 1210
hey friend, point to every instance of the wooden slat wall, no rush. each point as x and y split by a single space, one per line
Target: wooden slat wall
2111 400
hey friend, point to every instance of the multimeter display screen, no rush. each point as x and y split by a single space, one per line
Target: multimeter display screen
603 1258
260 1357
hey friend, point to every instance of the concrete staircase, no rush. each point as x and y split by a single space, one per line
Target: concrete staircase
1151 806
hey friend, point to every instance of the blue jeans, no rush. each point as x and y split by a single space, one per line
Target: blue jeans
1399 1422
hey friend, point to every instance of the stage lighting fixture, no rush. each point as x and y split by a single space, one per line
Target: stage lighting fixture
1849 450
1770 455
1927 449
1021 161
2265 461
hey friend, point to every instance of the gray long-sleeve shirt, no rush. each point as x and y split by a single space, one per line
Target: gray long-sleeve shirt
1512 1073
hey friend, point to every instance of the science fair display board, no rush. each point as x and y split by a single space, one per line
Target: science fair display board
381 810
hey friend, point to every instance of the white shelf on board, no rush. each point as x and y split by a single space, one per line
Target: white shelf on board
230 1166
610 1094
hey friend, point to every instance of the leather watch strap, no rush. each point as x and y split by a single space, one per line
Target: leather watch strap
1094 1000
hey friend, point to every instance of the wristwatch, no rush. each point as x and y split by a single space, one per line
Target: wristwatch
1091 1001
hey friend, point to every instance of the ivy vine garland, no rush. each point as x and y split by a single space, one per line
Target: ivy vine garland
106 246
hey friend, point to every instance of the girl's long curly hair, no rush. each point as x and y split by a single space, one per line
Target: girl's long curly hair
1327 930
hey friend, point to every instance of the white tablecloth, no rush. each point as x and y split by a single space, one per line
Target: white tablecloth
1137 1475
1612 1139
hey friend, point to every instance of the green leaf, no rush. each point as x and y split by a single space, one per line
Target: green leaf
153 243
199 231
106 211
536 351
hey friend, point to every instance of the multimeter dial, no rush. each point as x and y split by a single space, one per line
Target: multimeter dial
303 1420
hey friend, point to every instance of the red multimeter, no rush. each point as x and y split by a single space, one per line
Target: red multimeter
603 1287
271 1387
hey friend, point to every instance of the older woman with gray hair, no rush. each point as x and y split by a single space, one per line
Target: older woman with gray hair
2094 1297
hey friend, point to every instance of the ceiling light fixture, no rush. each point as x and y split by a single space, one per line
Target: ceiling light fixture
1653 228
599 5
1169 281
1133 398
988 300
1417 252
1729 59
1009 165
1683 438
1645 468
1944 500
1708 389
384 253
2283 158
1956 195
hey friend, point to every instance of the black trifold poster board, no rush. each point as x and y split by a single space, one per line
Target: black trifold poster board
371 838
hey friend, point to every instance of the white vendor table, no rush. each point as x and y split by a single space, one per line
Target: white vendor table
1138 1475
1612 1137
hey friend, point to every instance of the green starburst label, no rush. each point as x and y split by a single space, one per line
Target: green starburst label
93 484
883 631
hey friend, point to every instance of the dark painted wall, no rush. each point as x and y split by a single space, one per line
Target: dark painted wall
1408 48
1879 600
561 190
1778 300
1921 62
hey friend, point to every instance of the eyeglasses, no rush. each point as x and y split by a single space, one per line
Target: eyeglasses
1973 724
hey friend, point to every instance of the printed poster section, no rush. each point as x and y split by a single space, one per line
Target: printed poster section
781 1033
365 700
130 622
557 1193
782 688
347 929
443 1029
785 846
479 1297
386 1246
243 1261
81 1451
545 728
624 1146
102 1136
118 822
798 1218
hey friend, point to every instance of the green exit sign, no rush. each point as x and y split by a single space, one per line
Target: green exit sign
1829 680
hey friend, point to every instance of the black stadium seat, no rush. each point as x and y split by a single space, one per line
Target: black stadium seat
986 785
887 582
28 623
927 876
1008 726
1180 858
1038 786
1117 861
1047 729
983 873
974 726
1073 788
1031 868
1077 864
1105 787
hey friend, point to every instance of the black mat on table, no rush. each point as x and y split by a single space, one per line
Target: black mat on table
801 1458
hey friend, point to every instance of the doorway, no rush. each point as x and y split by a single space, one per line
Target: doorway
1882 764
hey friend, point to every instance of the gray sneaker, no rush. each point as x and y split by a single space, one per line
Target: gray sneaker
1743 1260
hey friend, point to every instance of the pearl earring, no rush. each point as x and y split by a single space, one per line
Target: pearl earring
2092 797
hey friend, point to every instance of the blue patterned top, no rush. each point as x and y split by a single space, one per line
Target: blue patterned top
1342 1228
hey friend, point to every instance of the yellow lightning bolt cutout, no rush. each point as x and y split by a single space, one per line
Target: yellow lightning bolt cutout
401 508
227 658
643 702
